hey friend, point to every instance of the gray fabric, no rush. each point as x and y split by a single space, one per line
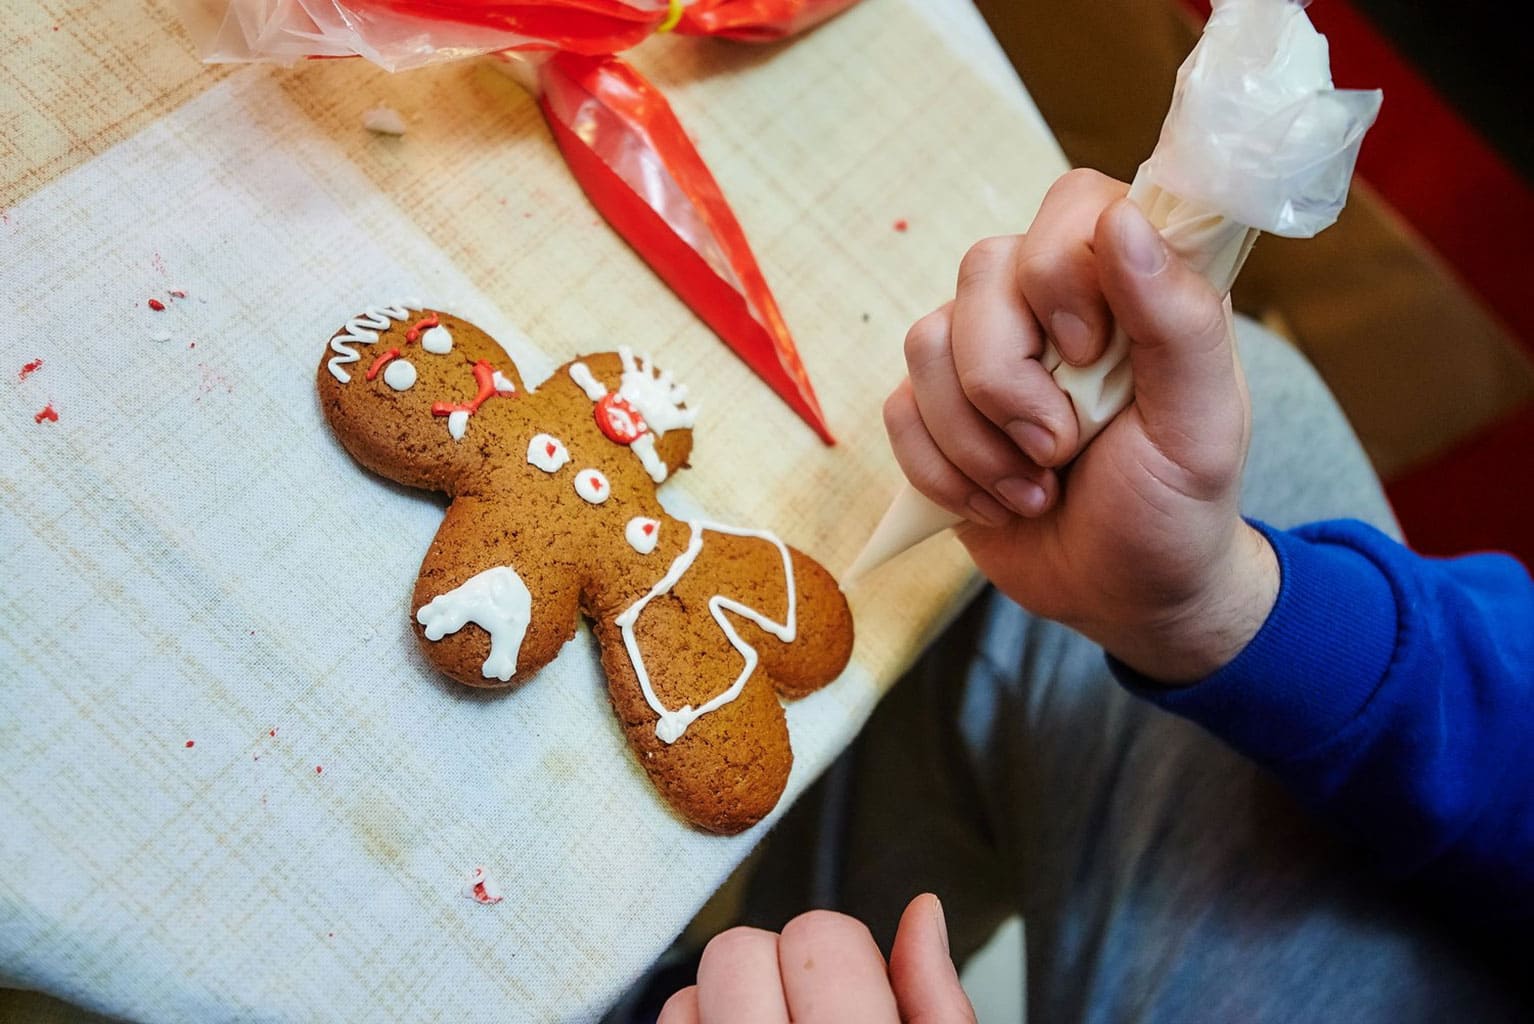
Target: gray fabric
1160 876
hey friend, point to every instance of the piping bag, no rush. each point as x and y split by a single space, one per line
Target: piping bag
1256 140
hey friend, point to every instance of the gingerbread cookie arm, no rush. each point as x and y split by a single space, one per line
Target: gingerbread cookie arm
823 644
486 610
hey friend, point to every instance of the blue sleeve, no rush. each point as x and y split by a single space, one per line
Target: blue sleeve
1394 695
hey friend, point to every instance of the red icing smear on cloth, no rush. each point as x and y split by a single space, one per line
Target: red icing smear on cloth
381 361
902 225
29 369
190 744
414 334
484 376
48 413
319 769
156 305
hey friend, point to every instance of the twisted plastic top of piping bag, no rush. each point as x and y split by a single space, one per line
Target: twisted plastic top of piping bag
1256 130
1256 137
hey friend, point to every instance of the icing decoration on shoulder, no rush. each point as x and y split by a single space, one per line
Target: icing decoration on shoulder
652 392
642 533
362 329
591 485
547 452
646 405
496 600
673 723
490 382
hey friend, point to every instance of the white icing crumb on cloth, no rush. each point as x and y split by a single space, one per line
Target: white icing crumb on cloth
481 889
384 121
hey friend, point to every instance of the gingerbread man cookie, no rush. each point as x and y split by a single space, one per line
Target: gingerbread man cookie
702 626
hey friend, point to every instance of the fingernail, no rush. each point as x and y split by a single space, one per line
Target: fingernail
987 510
1071 334
1036 442
1024 495
1142 243
942 923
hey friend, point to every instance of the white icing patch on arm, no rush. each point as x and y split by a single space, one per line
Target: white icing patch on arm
458 423
642 533
362 329
591 485
673 723
438 341
581 374
498 602
547 452
502 383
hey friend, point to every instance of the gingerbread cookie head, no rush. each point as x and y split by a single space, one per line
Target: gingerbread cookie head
702 626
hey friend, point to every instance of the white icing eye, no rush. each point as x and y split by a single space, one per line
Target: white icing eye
437 341
642 533
591 485
547 452
399 374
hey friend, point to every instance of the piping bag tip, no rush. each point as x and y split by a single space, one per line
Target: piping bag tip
910 519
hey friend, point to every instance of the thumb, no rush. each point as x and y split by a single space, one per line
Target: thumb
1180 339
922 974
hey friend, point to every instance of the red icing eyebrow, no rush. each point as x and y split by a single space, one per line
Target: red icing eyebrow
381 361
414 334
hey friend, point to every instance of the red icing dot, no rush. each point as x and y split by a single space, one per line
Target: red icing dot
649 528
29 369
190 744
549 449
596 483
48 412
156 305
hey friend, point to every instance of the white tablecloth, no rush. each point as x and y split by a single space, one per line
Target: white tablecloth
230 787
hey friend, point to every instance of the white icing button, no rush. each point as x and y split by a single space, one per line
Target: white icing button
642 534
547 452
458 423
502 384
437 341
399 374
591 485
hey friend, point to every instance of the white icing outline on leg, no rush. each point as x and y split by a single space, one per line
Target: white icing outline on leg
673 723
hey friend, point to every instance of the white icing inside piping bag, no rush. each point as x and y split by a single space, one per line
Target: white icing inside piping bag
1257 139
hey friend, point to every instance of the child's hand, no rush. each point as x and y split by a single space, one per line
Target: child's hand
1140 544
825 968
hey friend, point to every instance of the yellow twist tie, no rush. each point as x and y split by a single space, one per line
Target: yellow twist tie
673 16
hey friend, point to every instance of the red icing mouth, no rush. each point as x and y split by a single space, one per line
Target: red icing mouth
484 377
